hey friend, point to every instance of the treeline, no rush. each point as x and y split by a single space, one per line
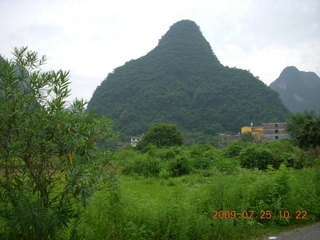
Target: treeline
207 160
160 152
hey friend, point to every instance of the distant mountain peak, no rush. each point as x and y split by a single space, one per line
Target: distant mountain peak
184 38
186 23
298 90
181 30
290 71
290 68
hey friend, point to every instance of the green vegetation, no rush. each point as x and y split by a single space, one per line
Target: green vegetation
56 182
205 159
173 193
161 135
305 129
41 146
298 90
182 82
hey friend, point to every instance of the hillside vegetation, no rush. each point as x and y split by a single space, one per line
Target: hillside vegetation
181 81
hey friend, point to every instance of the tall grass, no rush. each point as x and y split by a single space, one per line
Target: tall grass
141 208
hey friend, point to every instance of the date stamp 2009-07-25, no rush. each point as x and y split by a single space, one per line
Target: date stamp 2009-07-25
263 214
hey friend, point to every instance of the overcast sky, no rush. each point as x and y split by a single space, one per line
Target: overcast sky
92 37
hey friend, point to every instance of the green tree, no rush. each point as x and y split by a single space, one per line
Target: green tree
295 121
305 129
41 145
308 135
161 135
256 157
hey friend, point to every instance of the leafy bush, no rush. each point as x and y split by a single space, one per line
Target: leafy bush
122 156
143 165
255 157
41 147
203 156
105 216
179 166
305 129
227 165
285 152
169 153
234 148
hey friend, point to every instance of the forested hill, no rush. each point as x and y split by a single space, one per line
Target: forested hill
298 90
182 81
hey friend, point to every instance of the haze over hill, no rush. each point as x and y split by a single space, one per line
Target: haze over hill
182 81
298 90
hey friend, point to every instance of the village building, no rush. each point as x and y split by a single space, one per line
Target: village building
265 133
135 140
257 132
274 131
224 139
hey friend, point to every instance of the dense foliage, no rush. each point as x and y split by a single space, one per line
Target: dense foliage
41 145
161 135
298 90
181 81
181 160
305 129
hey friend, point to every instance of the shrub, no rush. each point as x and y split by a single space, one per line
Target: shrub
227 165
234 148
203 156
254 157
179 166
143 165
122 156
164 173
285 152
41 146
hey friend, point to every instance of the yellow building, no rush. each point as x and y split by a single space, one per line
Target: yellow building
257 132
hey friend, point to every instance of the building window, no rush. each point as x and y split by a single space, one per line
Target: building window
276 125
276 131
276 137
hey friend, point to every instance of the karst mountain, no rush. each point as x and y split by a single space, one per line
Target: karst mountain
298 90
181 81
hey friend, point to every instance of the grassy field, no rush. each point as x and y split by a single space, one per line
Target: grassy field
193 192
134 207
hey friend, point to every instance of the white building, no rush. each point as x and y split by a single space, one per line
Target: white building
135 140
